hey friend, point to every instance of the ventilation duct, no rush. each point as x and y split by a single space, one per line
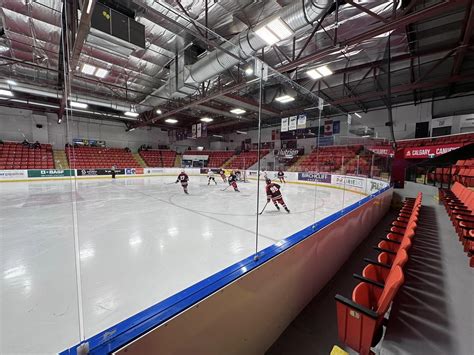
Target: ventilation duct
298 16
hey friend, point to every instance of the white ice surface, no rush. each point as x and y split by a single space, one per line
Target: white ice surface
141 241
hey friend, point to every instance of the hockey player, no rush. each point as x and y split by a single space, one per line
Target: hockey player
183 178
210 177
222 174
273 193
233 181
281 176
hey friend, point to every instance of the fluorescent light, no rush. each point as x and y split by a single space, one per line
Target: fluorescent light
101 73
89 6
267 35
274 31
88 69
355 113
237 111
171 120
280 28
324 71
11 82
206 119
319 72
6 93
382 35
131 114
217 136
285 98
158 111
171 39
3 48
131 129
249 71
78 104
42 104
240 132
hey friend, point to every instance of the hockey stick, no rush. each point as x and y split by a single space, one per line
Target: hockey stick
226 188
264 208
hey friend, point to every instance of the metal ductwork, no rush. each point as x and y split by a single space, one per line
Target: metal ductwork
46 92
299 16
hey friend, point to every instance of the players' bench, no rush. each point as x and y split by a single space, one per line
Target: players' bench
361 318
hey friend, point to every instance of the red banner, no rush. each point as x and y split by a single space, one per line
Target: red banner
429 151
382 150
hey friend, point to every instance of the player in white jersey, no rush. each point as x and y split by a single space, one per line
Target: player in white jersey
210 177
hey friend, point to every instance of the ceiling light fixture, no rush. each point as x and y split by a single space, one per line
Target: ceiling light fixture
131 114
171 120
88 69
319 72
240 132
101 73
285 98
89 6
159 112
12 82
249 71
274 31
78 104
6 93
355 113
237 111
217 136
206 119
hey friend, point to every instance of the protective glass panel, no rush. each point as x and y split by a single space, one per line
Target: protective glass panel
40 308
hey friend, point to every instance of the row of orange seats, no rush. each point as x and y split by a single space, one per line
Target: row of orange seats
158 157
462 171
16 156
360 319
99 157
246 159
459 203
460 138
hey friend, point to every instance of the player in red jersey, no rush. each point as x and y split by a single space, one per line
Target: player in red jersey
222 174
183 178
274 193
233 181
281 176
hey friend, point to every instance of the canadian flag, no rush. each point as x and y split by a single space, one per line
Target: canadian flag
328 128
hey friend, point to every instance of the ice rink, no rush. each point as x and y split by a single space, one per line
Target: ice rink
141 240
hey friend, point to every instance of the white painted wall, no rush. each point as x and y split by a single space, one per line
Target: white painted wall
16 125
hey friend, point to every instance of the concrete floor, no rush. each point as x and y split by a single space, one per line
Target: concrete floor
433 312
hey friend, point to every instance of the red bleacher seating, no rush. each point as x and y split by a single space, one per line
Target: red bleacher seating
17 156
158 158
462 171
459 138
246 159
96 158
459 203
330 159
217 158
361 318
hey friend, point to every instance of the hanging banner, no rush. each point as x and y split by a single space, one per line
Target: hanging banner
204 130
292 125
198 130
328 128
320 104
336 127
284 124
349 119
193 130
430 151
302 121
